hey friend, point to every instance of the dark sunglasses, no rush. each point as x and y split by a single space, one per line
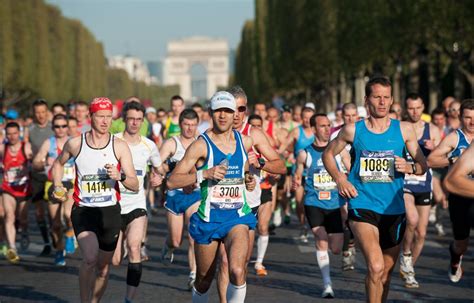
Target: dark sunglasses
61 126
242 109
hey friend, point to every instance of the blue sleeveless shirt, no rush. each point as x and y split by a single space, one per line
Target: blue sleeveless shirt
379 186
420 183
320 189
302 141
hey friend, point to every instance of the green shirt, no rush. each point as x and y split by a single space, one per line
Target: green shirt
118 126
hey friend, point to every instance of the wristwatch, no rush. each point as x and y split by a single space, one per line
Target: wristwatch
261 163
123 177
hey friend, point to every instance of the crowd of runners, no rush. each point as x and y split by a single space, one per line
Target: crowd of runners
367 180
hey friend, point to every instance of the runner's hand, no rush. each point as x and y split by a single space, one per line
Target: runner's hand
253 159
346 189
250 182
60 194
189 189
401 165
216 173
296 182
429 144
113 172
155 179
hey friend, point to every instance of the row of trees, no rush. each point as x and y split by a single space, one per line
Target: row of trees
324 51
43 54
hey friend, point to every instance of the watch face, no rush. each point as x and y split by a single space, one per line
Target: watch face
261 161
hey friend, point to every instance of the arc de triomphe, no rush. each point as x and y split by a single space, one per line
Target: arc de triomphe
182 54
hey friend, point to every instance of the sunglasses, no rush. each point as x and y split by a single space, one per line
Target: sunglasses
242 108
60 126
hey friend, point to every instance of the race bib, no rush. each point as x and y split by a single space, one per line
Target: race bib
97 188
377 166
324 195
228 194
16 175
322 180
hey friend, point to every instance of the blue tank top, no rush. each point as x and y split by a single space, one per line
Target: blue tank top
463 143
302 141
379 186
320 189
417 183
224 200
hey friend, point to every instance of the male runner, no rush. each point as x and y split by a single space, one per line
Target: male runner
453 115
180 203
322 202
460 206
300 138
37 133
15 186
460 180
81 113
100 158
133 204
118 125
375 183
43 160
417 192
220 158
172 123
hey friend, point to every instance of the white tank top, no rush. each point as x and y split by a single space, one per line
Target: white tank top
253 197
93 187
143 153
177 156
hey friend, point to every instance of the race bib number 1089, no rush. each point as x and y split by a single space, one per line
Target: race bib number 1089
377 166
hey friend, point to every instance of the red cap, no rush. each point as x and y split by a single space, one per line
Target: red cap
100 103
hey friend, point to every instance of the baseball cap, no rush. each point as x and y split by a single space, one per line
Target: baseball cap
286 108
100 103
11 114
150 110
223 99
310 105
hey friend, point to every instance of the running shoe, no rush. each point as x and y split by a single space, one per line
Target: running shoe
347 263
191 280
70 246
167 255
328 293
440 229
287 220
277 217
154 211
304 235
432 216
144 253
59 259
410 281
46 250
455 271
260 270
352 249
406 266
24 242
12 256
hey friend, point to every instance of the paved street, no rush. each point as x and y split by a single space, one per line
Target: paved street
293 275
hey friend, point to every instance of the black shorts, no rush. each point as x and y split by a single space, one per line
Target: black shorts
105 222
391 227
421 199
266 196
127 218
330 219
289 170
461 212
37 187
281 182
17 199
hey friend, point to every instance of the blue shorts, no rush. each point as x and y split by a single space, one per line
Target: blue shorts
177 202
205 232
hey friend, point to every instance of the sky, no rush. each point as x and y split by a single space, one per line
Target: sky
142 28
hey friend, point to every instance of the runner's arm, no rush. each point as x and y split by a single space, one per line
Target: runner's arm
70 149
413 148
166 150
438 158
273 163
300 162
182 174
28 151
292 136
126 165
40 159
457 180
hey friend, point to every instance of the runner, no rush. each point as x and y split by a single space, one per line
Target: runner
118 125
180 203
460 206
300 138
375 183
81 113
133 204
172 123
16 185
417 192
36 134
459 179
95 215
43 160
322 202
453 115
220 157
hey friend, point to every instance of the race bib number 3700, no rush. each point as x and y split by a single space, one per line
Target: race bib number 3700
377 166
228 194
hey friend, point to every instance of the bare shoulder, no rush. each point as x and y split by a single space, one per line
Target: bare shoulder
248 142
256 133
74 144
406 126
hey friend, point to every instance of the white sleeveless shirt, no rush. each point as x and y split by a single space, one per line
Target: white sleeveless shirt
93 187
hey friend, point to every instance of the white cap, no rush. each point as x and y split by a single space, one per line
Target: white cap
150 110
310 105
223 99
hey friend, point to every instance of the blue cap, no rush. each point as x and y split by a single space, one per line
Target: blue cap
11 114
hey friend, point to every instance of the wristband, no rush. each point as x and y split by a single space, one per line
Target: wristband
199 177
413 167
123 177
